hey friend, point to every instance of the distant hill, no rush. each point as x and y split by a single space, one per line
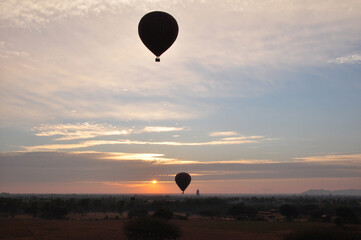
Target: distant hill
349 192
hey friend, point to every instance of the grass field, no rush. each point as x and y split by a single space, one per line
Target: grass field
29 228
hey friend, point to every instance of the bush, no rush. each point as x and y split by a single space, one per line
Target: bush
209 213
316 214
288 211
150 229
323 234
49 211
237 210
137 213
347 215
163 213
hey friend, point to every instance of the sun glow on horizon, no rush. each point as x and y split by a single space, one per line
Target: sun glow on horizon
154 181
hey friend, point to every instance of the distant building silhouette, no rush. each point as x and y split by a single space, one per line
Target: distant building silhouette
197 193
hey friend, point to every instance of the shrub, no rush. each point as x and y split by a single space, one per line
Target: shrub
163 213
50 211
237 209
288 211
137 213
347 215
146 228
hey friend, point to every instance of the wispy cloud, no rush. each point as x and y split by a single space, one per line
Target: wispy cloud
6 52
79 130
128 184
242 161
98 166
217 134
91 130
354 58
38 108
27 13
153 157
355 158
232 136
243 138
73 83
86 144
162 129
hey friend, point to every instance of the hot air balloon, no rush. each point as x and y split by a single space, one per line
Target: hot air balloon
183 179
158 31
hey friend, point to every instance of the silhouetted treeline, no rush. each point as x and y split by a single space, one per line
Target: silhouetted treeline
267 208
58 207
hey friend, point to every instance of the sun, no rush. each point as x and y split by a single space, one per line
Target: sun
154 181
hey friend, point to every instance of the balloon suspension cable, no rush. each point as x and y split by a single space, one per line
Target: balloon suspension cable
157 59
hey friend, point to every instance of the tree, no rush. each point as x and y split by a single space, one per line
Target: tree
53 211
137 212
163 213
316 214
346 215
209 213
237 210
9 206
288 211
120 206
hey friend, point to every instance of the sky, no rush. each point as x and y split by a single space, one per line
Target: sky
253 97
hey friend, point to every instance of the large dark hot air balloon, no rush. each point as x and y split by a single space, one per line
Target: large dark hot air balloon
183 179
158 31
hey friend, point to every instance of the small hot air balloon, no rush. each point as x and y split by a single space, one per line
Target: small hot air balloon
183 179
158 31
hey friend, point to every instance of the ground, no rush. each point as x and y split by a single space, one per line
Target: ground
26 228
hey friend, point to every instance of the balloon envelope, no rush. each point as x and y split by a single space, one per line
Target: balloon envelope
158 31
183 180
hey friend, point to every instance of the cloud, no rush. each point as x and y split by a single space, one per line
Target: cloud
78 136
20 167
232 136
152 157
156 158
243 138
348 59
79 130
271 33
37 108
162 129
217 134
87 144
28 13
87 130
85 67
344 158
91 130
6 52
244 33
241 161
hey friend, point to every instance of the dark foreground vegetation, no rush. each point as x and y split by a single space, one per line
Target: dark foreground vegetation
324 234
259 208
166 217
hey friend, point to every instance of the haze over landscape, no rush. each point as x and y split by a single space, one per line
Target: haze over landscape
253 97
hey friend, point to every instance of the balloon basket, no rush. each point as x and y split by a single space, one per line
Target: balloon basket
157 59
